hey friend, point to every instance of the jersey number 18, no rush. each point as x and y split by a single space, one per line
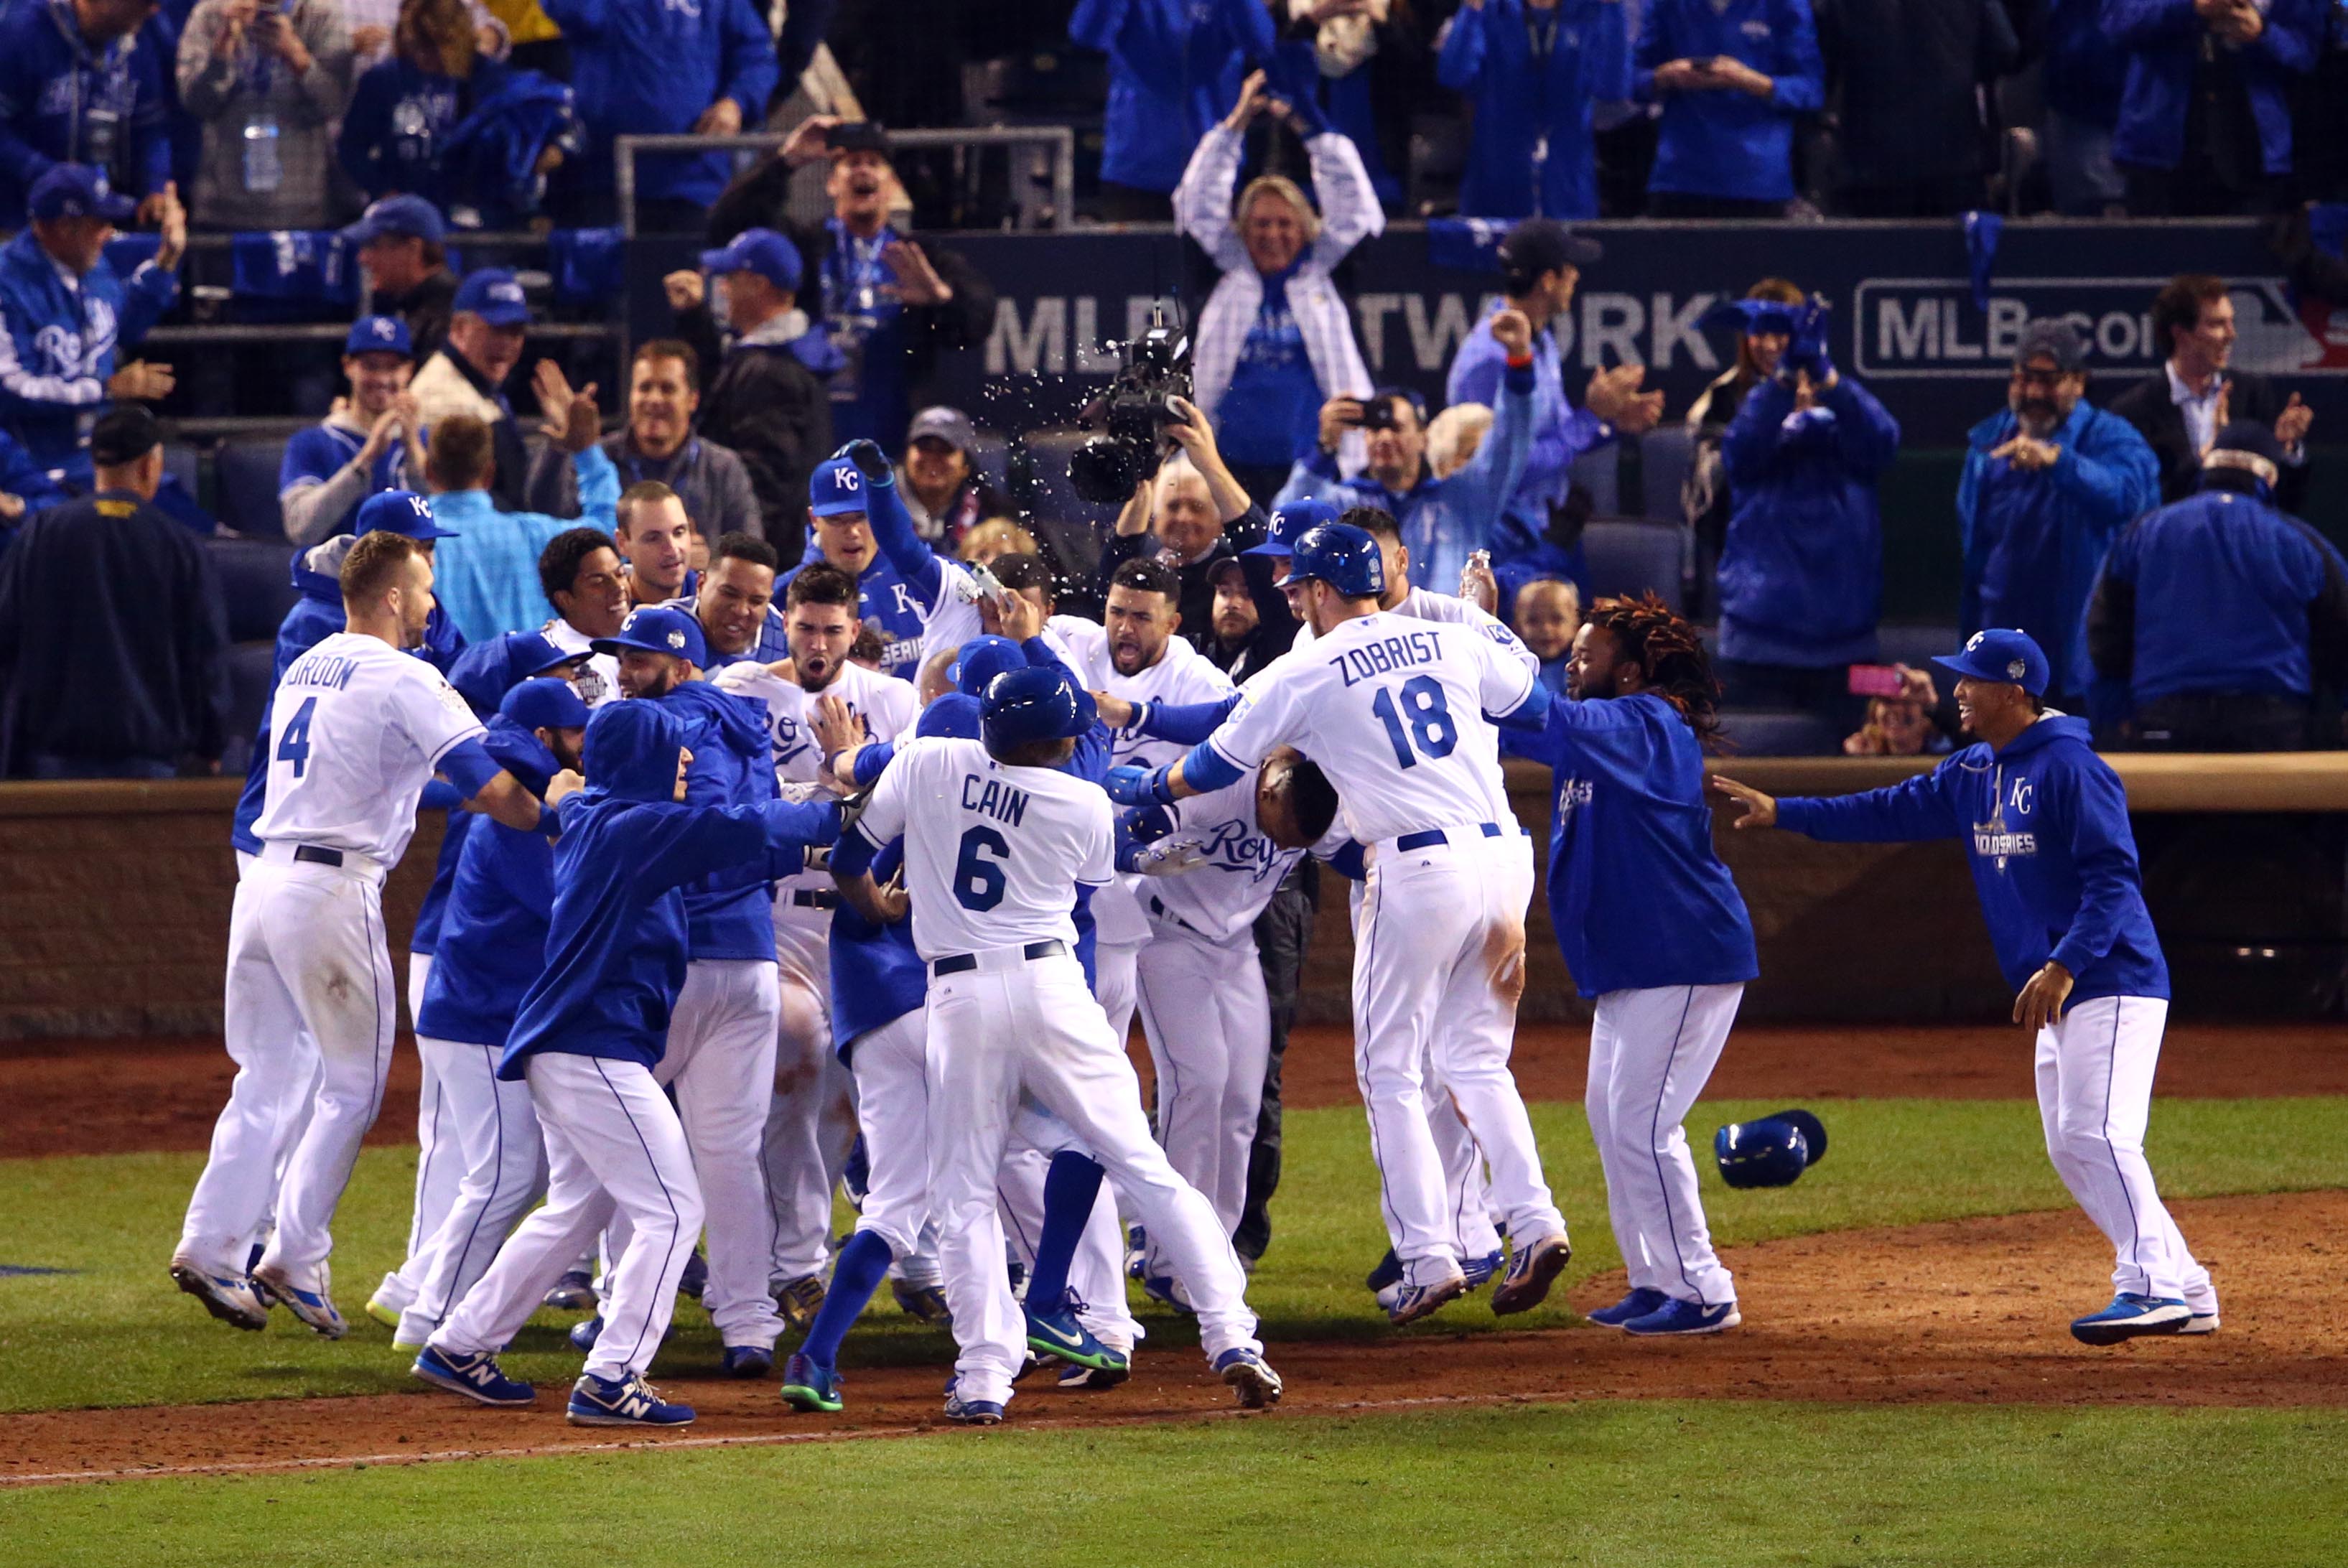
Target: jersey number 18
1419 724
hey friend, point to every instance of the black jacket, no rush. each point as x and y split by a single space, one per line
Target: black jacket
2157 417
426 308
1277 627
761 401
112 638
1902 76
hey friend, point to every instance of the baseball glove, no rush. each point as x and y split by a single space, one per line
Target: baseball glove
1294 803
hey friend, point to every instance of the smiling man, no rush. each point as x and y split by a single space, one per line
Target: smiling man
735 604
659 443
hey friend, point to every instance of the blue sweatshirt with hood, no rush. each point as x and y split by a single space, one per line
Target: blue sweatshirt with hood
732 767
496 915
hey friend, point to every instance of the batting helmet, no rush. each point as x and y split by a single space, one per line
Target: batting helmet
1769 1152
1343 556
1030 705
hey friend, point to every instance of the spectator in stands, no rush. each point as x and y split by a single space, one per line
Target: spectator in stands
2082 78
23 488
888 303
112 634
656 538
1174 69
2048 480
67 314
1801 578
1901 726
993 540
86 82
2179 408
939 479
735 603
1444 520
1535 69
583 576
403 112
1732 76
467 375
1908 80
2221 614
371 442
664 396
653 68
761 399
1704 494
268 85
2205 117
486 573
402 250
1541 527
1364 67
1237 640
374 23
1275 340
1548 613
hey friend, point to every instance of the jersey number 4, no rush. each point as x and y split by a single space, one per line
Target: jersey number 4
1419 724
294 746
978 878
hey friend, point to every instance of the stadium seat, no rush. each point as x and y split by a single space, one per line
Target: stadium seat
245 488
1628 556
256 584
249 666
1770 732
1665 454
1599 472
180 463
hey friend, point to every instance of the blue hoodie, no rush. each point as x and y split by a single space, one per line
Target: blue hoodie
1175 68
733 766
1721 141
642 65
59 347
616 946
1638 896
2045 824
1522 103
2163 41
497 911
51 81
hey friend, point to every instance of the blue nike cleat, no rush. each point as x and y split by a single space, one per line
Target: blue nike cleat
232 1300
1251 1377
971 1412
748 1361
1413 1302
1074 1377
810 1389
1638 1304
1532 1269
2131 1315
1677 1316
584 1332
633 1402
313 1307
477 1377
1057 1331
1479 1271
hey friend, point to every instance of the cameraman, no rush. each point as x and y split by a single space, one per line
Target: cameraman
1198 517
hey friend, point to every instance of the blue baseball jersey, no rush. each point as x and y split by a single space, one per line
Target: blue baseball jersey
499 903
325 450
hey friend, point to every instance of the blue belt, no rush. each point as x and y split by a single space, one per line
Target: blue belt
962 963
1437 836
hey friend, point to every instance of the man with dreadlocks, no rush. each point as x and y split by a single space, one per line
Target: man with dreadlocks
1654 929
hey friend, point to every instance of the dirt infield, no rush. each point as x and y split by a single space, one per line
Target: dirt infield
111 1097
1970 1312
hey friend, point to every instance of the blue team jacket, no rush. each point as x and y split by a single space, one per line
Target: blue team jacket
2045 824
1638 896
639 67
1175 68
59 348
1522 103
58 98
732 766
1724 142
2162 40
495 917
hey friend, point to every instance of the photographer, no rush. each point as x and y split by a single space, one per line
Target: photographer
1198 517
268 81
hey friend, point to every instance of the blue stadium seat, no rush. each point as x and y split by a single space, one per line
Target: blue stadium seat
180 462
1599 472
1628 556
249 665
1665 454
994 461
1917 647
1769 732
245 486
256 583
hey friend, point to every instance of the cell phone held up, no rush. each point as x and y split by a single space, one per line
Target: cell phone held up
1377 413
1877 680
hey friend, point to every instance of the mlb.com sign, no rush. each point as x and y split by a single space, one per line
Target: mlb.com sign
1921 327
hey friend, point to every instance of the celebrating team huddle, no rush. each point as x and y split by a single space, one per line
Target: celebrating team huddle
738 933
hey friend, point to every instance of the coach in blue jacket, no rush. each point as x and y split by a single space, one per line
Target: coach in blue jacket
2044 822
85 81
1534 69
2221 614
2048 481
1731 76
2205 117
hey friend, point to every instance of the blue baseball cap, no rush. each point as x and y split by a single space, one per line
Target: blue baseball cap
1289 522
534 653
379 334
76 190
657 629
493 295
981 659
760 250
2004 655
398 215
402 512
548 704
836 487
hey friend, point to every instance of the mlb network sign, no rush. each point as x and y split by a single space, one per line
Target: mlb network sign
1929 327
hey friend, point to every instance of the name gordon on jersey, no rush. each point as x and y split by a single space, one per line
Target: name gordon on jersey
993 797
328 670
1387 655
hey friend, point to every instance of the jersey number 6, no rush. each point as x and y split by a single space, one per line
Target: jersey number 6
1422 719
978 881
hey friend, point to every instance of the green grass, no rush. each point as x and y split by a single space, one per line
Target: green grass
116 1333
1650 1484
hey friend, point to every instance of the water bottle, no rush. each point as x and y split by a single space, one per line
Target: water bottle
265 168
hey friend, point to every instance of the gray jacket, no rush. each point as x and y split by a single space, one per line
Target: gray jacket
229 91
708 478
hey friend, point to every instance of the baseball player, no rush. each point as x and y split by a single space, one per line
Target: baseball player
357 728
996 841
1395 710
2044 821
811 1123
588 1040
913 596
1403 597
1654 931
583 576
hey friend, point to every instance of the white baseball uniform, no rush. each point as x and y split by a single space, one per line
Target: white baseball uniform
1393 710
357 728
598 680
1426 604
992 857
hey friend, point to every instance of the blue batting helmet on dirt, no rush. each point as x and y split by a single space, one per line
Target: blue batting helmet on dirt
1771 1150
1031 705
1343 556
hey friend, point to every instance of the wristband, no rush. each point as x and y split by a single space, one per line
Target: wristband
1514 363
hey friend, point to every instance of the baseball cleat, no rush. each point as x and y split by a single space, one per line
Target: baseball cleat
1387 1273
1677 1316
695 1277
631 1402
748 1361
800 1300
2200 1323
2131 1315
315 1307
926 1303
584 1332
382 1311
1057 1332
1479 1271
810 1389
971 1412
477 1377
226 1297
1530 1272
1638 1304
1074 1377
1257 1384
574 1291
1413 1302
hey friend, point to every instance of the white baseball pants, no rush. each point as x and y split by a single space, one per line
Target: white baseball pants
892 1109
306 962
1117 983
1096 1269
811 1121
2094 1097
489 1135
612 1145
439 1170
1011 1028
1439 964
721 1061
1208 1023
1651 1052
1467 1190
